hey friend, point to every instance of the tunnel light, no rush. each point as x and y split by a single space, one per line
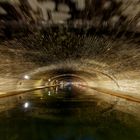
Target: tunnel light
49 80
27 77
26 105
49 93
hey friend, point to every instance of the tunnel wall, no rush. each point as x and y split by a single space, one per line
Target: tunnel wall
117 58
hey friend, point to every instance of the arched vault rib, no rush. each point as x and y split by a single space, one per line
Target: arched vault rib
68 75
52 72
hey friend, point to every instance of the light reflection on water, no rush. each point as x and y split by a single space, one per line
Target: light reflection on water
64 114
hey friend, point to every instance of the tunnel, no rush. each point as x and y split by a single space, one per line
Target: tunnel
69 70
93 90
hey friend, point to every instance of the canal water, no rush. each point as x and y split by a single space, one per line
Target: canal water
64 114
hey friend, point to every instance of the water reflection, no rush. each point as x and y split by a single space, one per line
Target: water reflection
26 105
64 114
